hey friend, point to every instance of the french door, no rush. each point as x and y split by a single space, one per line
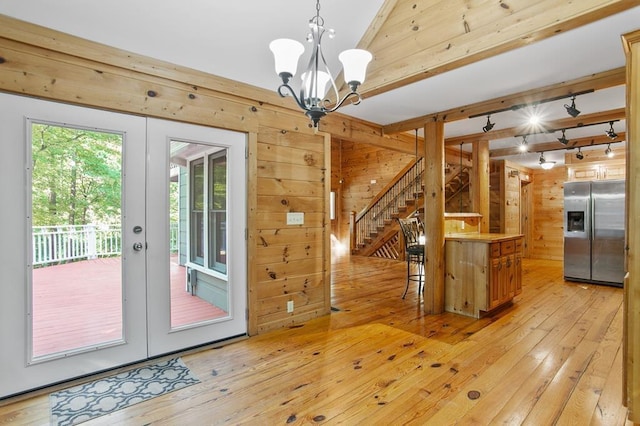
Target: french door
98 255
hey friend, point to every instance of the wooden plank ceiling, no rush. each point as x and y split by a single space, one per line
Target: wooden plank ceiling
408 46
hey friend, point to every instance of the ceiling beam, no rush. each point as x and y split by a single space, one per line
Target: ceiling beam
564 123
599 81
412 46
557 146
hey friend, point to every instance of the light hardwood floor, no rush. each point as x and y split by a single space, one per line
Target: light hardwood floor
553 357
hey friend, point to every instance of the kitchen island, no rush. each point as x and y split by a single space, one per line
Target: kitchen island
482 271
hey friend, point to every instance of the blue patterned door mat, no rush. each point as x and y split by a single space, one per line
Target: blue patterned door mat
90 400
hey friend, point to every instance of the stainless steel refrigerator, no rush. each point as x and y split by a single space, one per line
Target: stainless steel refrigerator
594 234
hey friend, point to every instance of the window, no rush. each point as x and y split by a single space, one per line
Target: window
208 211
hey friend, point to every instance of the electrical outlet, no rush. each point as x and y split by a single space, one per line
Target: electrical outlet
295 218
290 306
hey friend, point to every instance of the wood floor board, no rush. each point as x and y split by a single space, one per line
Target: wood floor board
566 328
585 397
552 357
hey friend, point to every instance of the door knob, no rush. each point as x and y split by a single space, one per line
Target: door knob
137 246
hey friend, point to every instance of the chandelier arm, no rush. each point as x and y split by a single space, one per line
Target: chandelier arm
293 94
327 70
347 96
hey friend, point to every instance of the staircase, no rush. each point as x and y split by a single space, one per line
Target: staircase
375 230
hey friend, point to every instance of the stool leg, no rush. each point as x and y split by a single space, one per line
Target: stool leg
421 272
408 273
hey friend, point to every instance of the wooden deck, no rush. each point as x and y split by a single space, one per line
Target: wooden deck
553 357
79 304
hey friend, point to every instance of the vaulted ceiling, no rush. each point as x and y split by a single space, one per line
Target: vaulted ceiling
433 59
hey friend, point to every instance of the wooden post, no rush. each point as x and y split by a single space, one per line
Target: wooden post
631 340
434 217
352 231
480 182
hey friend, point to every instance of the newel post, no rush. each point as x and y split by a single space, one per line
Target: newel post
352 231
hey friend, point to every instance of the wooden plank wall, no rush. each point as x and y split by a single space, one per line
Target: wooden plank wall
290 260
548 205
361 163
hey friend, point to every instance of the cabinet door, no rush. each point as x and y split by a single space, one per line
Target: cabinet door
518 274
509 278
495 282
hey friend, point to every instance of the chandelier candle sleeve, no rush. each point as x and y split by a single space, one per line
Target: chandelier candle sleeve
286 52
354 65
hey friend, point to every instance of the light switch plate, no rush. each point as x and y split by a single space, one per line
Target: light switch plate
295 218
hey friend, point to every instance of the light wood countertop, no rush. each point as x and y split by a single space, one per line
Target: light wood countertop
481 237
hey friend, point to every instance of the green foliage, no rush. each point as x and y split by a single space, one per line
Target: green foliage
76 176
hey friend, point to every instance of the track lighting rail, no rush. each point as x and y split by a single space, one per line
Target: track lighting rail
520 106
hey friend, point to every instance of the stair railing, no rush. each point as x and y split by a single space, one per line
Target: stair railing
387 204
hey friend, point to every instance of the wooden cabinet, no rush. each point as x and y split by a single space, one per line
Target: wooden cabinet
483 272
506 272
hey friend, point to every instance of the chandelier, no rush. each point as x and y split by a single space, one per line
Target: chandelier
317 76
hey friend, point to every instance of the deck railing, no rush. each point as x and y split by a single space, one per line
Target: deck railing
65 243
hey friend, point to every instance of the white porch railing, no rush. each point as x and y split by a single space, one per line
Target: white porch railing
55 244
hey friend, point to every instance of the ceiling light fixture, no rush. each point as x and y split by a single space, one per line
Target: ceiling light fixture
563 140
579 154
571 109
610 132
317 76
523 145
609 152
534 118
546 164
489 124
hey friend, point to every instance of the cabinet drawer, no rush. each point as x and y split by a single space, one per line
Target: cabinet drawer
519 245
495 249
507 247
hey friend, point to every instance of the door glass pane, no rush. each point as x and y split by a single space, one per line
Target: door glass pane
196 177
197 293
218 211
76 288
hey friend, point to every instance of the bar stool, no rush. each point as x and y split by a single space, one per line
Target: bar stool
413 232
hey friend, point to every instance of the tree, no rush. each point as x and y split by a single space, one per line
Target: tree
76 176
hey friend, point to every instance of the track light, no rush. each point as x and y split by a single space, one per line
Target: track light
611 133
489 125
563 140
546 164
523 145
571 109
579 154
608 152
